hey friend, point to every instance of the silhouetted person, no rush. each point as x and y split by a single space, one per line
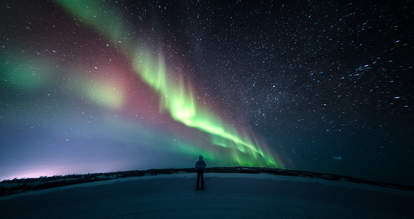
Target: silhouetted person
199 166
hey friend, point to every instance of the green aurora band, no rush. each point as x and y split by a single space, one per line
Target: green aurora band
176 96
24 73
179 101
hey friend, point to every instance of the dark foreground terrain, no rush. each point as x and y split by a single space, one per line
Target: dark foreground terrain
14 186
227 195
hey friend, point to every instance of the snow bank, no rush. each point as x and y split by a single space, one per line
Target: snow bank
227 195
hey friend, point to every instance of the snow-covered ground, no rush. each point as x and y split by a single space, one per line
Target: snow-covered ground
227 195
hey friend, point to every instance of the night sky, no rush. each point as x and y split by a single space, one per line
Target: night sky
97 86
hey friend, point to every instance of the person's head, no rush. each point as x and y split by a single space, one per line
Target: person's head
201 157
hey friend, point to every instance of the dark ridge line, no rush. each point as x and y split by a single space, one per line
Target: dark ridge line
14 186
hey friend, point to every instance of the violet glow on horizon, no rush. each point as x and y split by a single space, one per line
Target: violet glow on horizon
97 86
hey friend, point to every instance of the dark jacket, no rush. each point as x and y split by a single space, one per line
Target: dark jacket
200 165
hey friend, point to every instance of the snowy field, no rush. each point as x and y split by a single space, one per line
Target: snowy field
227 195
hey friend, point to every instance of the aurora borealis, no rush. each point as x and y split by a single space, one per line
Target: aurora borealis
112 90
95 86
175 95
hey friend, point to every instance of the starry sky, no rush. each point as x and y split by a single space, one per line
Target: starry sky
99 85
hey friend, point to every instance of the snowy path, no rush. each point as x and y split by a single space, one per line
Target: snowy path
226 196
